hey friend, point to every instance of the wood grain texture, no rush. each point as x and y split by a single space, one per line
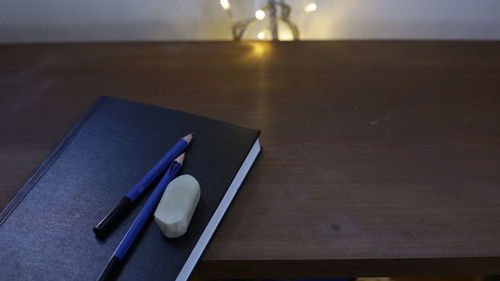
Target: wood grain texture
380 158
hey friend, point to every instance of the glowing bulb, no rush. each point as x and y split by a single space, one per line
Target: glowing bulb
311 7
225 4
261 35
260 15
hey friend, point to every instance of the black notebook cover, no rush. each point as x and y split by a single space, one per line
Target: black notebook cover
46 230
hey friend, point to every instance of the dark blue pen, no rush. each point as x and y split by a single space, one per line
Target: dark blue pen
127 241
103 228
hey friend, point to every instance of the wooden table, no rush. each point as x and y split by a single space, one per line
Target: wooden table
380 158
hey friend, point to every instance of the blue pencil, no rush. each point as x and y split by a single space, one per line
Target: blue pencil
127 241
103 228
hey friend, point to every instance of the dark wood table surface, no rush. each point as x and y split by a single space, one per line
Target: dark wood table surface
380 158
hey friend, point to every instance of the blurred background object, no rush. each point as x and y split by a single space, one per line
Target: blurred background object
272 15
158 20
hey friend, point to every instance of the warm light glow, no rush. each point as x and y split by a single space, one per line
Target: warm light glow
225 4
260 15
285 35
259 50
261 35
311 7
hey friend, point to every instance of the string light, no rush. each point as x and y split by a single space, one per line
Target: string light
311 7
279 13
260 15
225 4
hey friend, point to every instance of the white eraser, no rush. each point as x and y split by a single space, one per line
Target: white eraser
177 206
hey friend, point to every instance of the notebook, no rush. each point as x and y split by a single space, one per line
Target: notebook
46 229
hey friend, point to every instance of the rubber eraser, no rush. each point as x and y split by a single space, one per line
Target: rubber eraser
177 205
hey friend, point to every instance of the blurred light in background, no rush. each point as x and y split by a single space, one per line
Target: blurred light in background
225 4
180 20
260 15
311 7
274 16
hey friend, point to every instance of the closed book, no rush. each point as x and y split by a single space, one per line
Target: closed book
46 229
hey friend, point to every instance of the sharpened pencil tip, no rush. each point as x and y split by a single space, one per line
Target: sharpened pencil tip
180 158
188 138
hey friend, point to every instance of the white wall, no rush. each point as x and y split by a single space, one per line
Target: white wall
111 20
